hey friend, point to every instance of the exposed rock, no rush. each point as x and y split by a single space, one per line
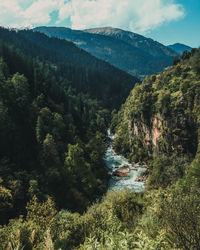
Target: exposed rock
156 129
133 167
124 169
143 177
139 164
120 174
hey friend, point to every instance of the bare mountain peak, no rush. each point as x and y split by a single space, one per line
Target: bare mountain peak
106 30
146 44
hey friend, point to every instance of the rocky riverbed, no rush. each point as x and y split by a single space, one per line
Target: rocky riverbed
123 174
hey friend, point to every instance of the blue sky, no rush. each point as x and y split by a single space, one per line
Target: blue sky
185 30
167 21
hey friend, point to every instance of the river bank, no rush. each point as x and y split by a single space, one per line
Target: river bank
123 174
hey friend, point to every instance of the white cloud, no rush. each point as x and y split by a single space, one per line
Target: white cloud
135 15
10 12
39 12
20 13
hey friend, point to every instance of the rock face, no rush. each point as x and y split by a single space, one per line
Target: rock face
153 134
161 115
150 133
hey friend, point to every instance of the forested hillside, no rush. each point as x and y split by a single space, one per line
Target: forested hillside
53 139
179 47
73 66
161 115
55 103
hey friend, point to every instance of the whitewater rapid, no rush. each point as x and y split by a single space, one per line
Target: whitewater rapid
113 162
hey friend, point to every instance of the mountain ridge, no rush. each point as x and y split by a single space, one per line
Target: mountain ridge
179 47
134 39
118 52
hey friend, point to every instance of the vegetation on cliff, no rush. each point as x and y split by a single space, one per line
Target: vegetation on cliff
160 119
52 142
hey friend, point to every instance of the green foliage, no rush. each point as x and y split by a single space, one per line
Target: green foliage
163 219
43 109
180 216
50 157
32 232
52 143
160 117
166 170
6 200
102 226
21 88
41 214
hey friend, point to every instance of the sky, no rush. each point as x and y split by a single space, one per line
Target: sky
167 21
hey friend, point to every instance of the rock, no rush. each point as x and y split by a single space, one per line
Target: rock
143 177
124 169
139 179
133 167
120 174
112 150
141 165
137 165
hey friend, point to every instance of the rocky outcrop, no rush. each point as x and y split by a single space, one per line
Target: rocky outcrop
148 134
120 174
161 115
122 171
156 128
143 177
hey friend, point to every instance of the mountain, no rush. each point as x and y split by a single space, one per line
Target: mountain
83 71
179 48
148 45
55 106
53 128
130 52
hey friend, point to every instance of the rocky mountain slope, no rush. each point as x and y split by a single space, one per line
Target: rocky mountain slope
130 52
148 45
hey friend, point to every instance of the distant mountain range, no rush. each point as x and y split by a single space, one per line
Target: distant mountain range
179 47
133 53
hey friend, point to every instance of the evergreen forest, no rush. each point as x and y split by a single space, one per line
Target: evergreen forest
56 104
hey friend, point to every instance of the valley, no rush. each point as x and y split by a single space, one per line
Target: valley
116 163
91 157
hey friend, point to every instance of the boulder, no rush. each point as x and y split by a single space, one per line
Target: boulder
124 169
120 174
143 177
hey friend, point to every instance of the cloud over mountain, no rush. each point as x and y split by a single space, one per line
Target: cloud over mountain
136 15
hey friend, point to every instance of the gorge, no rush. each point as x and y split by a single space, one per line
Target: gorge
114 162
56 103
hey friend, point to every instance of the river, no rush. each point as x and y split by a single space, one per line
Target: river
113 162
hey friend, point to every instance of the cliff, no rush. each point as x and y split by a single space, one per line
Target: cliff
160 116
